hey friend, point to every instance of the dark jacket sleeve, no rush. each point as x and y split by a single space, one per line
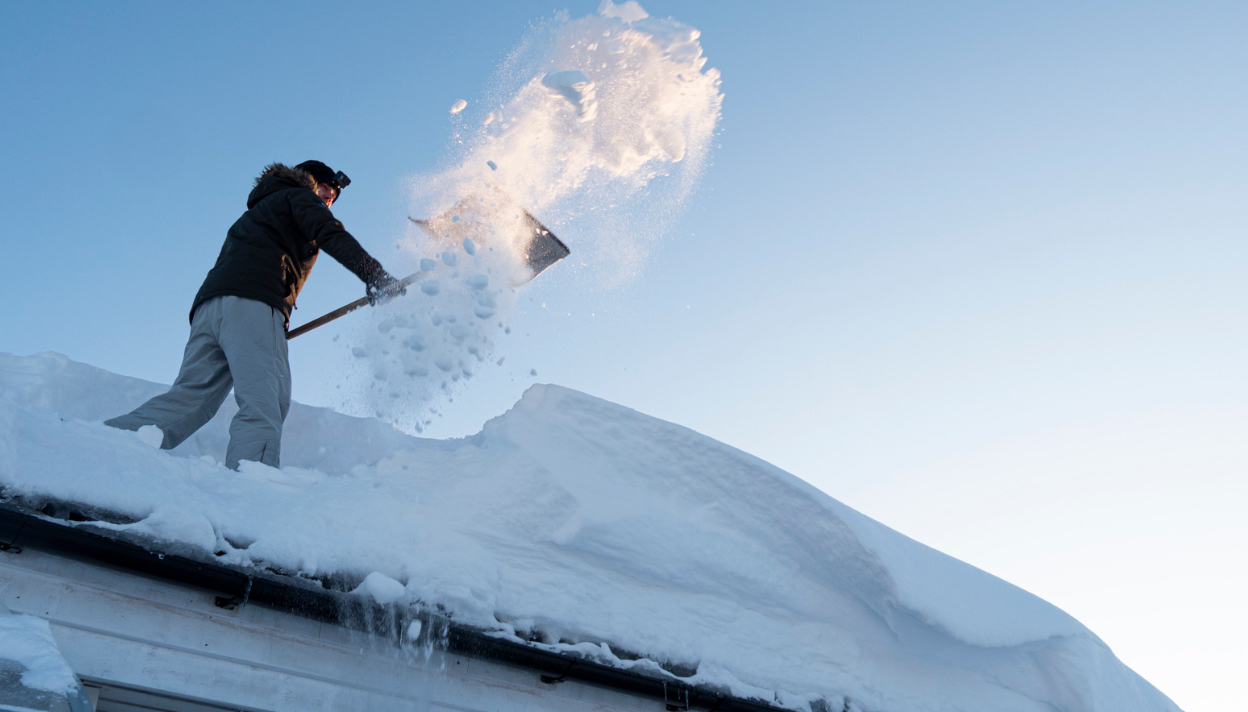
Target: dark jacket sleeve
320 226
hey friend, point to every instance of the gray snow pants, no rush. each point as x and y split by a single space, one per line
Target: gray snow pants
234 342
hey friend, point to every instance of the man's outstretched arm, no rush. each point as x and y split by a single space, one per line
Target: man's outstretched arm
320 225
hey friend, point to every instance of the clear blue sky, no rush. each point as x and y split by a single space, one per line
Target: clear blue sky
977 269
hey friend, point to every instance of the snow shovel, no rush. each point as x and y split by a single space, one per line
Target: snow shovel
347 309
542 250
537 243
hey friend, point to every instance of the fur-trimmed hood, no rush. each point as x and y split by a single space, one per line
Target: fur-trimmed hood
275 177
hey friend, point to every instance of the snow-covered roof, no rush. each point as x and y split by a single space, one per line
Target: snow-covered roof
588 526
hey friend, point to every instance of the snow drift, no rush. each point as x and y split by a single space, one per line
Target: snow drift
589 526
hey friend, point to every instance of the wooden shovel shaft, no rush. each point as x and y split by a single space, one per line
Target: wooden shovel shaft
344 310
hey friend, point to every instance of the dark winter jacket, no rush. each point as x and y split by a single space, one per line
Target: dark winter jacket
269 252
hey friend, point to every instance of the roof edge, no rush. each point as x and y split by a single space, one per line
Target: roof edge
22 527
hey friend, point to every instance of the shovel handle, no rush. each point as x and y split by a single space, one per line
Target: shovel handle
345 309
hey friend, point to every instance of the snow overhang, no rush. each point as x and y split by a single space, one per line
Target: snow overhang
62 530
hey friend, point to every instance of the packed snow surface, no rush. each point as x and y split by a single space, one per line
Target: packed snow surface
600 530
27 640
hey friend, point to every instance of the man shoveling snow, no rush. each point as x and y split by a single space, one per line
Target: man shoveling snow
240 316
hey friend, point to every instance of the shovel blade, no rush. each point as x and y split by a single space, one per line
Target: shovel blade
538 246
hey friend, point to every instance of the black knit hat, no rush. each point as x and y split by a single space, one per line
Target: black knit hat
322 173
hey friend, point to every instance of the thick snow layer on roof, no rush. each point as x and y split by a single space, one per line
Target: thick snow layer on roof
595 527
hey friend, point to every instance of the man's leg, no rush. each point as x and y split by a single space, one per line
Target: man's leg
253 336
202 384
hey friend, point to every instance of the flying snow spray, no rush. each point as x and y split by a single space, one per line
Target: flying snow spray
600 127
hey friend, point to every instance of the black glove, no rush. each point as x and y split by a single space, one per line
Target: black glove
383 288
